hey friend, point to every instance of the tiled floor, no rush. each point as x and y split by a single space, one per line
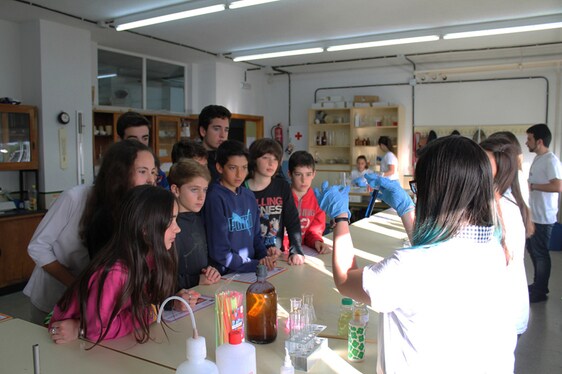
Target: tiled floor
539 350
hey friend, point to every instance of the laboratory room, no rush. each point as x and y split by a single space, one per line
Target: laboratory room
263 186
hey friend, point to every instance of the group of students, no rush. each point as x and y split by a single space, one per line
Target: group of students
105 253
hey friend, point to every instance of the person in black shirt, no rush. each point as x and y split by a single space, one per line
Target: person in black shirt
214 123
189 181
275 199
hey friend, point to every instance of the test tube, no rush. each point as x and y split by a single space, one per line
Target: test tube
295 315
308 299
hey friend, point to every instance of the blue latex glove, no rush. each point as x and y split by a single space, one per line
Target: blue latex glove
333 200
360 182
391 193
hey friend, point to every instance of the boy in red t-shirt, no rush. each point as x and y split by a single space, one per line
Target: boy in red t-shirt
312 218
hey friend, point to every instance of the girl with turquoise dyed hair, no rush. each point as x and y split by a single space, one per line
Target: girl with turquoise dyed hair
442 303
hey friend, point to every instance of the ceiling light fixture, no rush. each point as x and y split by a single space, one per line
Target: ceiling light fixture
245 3
169 17
103 76
180 11
294 52
382 43
503 30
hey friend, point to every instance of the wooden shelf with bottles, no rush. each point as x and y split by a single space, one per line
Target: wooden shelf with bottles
189 127
343 127
166 134
105 133
328 137
167 129
369 124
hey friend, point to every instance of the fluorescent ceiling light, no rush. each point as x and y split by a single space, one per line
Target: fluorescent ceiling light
170 17
294 52
103 76
245 3
382 43
504 30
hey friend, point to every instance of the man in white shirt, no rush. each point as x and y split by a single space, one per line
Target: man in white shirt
545 183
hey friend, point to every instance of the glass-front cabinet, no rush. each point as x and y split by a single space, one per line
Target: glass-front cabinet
120 80
18 137
165 86
168 133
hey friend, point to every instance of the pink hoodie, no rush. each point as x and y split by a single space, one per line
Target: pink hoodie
122 324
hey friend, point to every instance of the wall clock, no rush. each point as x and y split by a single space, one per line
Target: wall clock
63 118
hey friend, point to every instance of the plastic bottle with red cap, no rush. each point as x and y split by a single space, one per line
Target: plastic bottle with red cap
236 356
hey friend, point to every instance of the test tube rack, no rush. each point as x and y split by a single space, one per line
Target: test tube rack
304 346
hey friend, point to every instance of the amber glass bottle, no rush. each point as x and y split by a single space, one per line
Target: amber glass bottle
261 309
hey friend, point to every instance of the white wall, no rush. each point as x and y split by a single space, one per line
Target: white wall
479 103
10 60
488 103
57 78
220 83
231 94
302 96
204 86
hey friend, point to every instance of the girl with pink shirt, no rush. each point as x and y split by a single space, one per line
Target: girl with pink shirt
118 292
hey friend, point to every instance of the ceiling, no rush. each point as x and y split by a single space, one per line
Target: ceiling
288 22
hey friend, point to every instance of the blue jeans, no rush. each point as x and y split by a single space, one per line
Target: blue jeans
537 245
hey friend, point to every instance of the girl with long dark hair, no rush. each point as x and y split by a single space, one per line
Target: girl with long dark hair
516 221
118 292
442 303
80 222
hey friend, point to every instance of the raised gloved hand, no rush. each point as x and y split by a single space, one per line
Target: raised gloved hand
360 182
391 193
333 200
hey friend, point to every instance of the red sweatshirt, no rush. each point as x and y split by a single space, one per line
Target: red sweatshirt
312 218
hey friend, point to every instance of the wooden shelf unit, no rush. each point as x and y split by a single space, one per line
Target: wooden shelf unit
343 127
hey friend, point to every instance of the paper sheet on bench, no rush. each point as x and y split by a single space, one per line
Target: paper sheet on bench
251 277
203 302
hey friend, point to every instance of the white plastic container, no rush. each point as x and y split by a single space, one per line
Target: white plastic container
196 347
287 367
236 357
196 362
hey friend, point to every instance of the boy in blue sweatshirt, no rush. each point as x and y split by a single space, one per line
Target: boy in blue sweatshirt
232 217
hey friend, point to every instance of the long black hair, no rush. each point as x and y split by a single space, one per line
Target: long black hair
112 182
454 180
138 240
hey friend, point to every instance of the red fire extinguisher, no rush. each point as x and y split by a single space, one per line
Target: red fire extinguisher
277 133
